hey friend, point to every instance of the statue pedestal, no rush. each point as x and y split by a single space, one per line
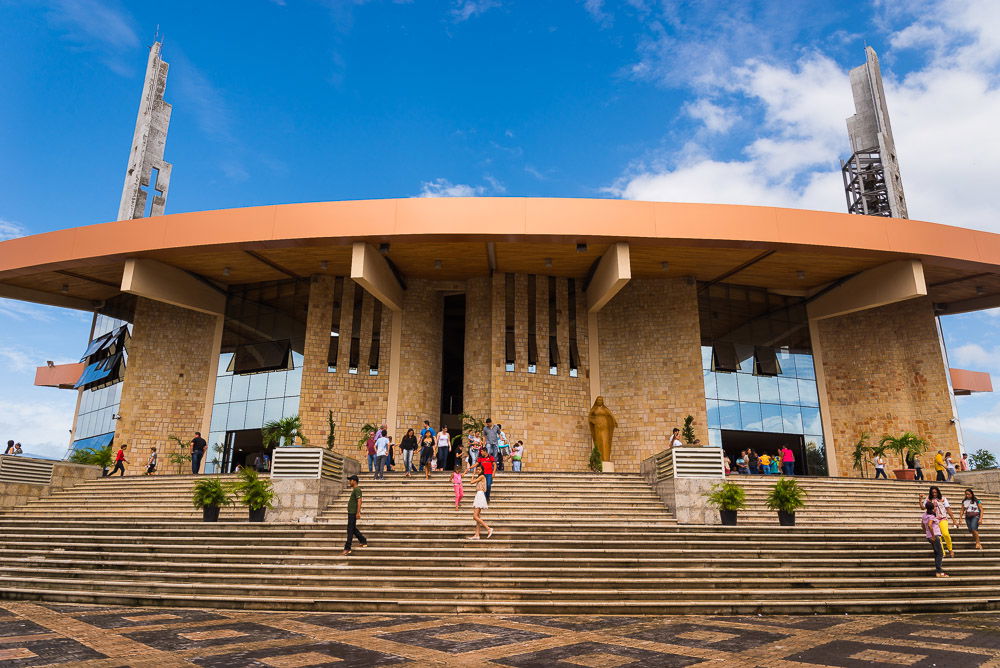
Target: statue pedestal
607 467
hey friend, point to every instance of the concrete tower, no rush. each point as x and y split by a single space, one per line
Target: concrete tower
871 175
147 171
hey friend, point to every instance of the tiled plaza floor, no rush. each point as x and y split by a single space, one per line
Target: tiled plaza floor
38 634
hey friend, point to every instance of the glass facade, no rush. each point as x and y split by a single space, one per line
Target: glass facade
758 406
94 417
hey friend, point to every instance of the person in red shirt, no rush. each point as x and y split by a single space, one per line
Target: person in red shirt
120 461
487 461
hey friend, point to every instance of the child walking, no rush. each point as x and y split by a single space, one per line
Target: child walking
932 531
480 503
151 462
456 482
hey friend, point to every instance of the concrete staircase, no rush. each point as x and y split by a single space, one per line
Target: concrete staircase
840 501
565 543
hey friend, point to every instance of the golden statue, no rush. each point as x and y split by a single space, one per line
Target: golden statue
602 427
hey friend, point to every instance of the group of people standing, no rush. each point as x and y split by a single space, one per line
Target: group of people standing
13 448
751 463
937 518
435 450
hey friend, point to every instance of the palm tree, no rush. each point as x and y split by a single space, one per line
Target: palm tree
283 430
861 448
94 456
905 445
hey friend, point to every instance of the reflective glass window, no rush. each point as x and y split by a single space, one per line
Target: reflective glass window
715 437
706 357
788 390
237 414
804 366
771 417
291 406
240 389
791 419
714 421
727 388
747 387
750 416
219 414
223 387
808 395
254 415
293 381
258 386
711 391
276 384
768 387
273 409
729 414
811 423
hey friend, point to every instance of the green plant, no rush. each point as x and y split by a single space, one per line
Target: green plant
367 431
331 436
471 424
982 459
283 431
905 445
688 431
727 496
860 453
786 495
253 491
93 456
210 492
596 461
180 458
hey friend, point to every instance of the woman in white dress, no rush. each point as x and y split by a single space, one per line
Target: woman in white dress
479 504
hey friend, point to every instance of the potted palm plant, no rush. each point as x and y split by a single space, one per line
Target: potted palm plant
255 493
907 445
283 431
729 498
94 456
786 497
210 495
860 453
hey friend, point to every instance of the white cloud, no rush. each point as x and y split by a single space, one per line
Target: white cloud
41 426
463 10
715 118
18 310
943 116
976 357
442 187
99 27
11 230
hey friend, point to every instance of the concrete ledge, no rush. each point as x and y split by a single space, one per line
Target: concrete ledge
986 481
64 475
302 499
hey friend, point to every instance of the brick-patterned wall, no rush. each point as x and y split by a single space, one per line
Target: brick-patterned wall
478 346
420 362
354 398
549 413
885 374
651 375
171 361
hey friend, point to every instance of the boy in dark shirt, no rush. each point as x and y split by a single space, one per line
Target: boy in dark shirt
353 511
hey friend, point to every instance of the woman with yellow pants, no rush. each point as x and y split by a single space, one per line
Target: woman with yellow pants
942 509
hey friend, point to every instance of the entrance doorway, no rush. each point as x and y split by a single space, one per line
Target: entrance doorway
734 442
453 366
245 448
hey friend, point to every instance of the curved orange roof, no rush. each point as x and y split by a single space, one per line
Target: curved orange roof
512 218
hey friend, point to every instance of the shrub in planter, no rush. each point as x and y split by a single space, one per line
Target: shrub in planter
728 497
210 495
906 446
255 493
786 497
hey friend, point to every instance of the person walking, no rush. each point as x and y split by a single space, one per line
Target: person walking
481 502
491 435
353 513
964 462
426 454
408 445
880 467
503 448
932 531
939 467
972 513
474 449
787 460
381 454
428 429
198 446
949 465
457 485
120 460
486 463
918 469
942 510
516 456
443 448
370 448
151 462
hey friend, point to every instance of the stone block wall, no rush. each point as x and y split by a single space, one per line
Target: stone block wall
64 476
302 499
651 375
548 412
420 358
885 374
171 365
478 346
354 398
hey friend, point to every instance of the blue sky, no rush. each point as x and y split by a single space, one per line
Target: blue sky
302 100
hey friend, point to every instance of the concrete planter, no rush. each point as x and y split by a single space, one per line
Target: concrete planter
728 517
905 474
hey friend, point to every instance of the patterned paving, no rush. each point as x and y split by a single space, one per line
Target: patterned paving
60 634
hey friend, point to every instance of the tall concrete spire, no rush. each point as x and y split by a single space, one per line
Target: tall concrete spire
871 175
147 172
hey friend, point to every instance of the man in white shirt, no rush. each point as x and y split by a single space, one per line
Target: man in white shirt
381 454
